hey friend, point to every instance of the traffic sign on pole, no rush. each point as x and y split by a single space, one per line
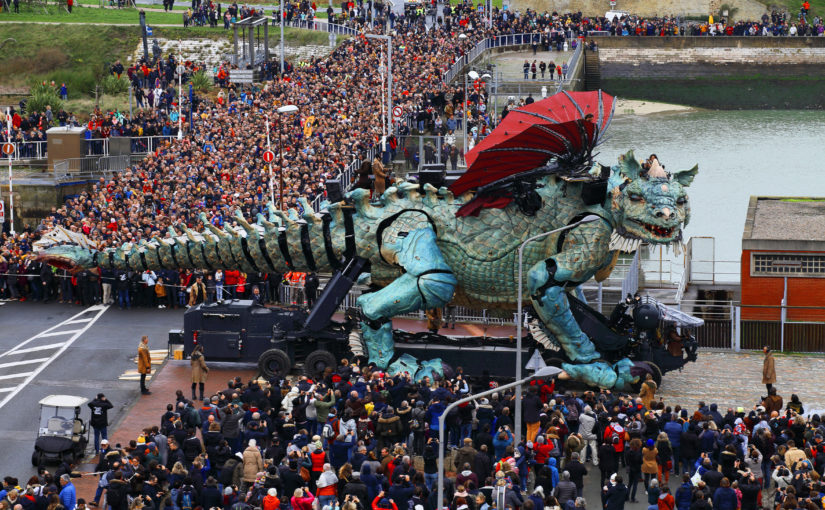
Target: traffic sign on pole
2 212
268 156
8 149
396 112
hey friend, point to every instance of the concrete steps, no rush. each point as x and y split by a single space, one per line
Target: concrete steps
592 71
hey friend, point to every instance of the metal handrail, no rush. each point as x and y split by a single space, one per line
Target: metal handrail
28 149
495 42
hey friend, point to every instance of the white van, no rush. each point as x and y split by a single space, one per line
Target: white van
610 15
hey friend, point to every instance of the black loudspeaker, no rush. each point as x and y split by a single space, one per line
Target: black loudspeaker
432 174
335 192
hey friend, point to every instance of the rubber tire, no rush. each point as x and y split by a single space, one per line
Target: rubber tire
657 373
37 458
274 362
318 361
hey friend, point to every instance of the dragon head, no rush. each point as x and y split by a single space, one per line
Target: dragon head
69 257
648 205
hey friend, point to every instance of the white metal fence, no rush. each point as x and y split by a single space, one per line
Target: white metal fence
487 44
319 25
28 150
90 168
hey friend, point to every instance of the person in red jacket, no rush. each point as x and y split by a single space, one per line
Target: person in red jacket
271 501
382 503
616 430
231 282
302 500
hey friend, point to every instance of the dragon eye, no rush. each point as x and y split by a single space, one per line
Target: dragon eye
636 197
681 200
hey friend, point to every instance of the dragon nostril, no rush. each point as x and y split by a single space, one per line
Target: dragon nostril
659 214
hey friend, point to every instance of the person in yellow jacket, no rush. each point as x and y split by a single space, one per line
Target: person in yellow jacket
144 364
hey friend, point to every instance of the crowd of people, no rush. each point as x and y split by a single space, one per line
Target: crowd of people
217 168
354 437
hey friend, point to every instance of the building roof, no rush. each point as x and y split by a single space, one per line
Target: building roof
785 223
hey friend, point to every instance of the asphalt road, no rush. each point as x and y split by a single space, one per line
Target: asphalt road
104 347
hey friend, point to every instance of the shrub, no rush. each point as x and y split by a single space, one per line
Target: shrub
114 86
201 82
41 97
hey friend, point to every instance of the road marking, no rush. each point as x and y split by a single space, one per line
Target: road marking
58 333
4 390
16 349
35 349
15 376
24 362
78 321
97 310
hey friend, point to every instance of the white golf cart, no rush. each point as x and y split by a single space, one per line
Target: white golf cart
62 434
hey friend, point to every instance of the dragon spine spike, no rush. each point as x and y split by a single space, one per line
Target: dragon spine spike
355 343
250 230
540 336
446 194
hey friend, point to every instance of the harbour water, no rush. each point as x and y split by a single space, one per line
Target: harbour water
739 153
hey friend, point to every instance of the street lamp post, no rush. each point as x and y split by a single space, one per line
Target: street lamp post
542 372
282 38
11 185
519 315
289 108
387 38
180 90
464 121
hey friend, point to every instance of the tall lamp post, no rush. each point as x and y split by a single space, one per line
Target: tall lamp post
283 16
288 108
387 38
519 319
542 372
473 75
11 185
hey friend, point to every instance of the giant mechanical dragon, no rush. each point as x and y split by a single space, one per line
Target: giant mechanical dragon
422 255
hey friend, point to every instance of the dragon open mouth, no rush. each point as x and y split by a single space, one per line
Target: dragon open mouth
659 231
58 261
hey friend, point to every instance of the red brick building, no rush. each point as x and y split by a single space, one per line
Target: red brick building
783 255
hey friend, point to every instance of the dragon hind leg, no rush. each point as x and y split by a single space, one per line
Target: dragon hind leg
427 283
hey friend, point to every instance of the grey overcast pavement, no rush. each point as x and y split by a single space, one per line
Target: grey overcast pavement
93 363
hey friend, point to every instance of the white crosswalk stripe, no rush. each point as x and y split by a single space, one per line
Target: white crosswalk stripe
47 352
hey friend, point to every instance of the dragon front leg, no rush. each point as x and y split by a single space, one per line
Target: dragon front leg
584 252
428 282
546 282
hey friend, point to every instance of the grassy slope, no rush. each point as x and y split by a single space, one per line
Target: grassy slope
90 15
72 53
792 6
63 53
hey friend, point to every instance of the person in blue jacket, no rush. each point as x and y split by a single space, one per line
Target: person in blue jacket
501 441
684 494
68 495
725 498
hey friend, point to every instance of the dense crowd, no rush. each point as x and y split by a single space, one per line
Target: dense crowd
357 438
218 170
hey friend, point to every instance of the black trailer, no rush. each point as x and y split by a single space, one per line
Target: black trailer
278 338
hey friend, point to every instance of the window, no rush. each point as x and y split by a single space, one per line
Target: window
788 264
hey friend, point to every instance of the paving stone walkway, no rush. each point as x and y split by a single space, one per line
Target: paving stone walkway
735 379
